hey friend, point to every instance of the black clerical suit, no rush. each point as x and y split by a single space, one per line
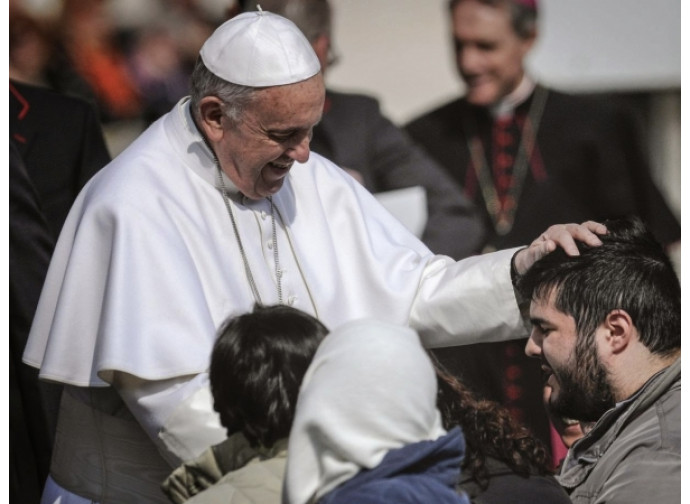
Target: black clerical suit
61 143
56 145
31 245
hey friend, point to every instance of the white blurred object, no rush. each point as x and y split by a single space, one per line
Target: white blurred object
408 205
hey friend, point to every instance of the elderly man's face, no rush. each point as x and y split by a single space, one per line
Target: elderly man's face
488 52
571 364
257 153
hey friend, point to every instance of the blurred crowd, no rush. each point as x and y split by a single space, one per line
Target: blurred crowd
130 58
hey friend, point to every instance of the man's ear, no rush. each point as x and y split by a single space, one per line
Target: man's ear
619 330
528 42
212 117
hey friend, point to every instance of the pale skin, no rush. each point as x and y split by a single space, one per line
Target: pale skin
257 152
559 235
489 53
628 363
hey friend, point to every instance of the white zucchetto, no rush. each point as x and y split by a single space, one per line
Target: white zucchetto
260 49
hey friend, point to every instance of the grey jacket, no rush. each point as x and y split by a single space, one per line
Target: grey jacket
633 452
231 472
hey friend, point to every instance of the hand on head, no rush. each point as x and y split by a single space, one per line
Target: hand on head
559 235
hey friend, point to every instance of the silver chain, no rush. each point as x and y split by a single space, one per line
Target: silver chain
276 256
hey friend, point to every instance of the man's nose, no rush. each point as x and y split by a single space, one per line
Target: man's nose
469 60
300 151
532 349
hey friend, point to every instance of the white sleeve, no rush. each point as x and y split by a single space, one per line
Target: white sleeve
177 413
468 301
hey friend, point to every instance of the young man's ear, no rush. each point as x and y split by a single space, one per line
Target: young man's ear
212 116
619 330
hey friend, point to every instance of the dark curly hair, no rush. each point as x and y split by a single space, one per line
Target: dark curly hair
489 429
257 366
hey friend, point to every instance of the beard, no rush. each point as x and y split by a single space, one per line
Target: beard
584 390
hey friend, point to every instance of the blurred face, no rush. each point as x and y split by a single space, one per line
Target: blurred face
274 131
488 52
577 380
569 429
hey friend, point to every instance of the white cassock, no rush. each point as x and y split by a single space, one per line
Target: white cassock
147 267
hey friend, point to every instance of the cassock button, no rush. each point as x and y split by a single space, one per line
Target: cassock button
263 214
269 244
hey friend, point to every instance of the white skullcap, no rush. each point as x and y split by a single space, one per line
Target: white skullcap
260 49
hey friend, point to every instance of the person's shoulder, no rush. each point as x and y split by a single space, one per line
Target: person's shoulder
259 482
504 484
591 105
41 99
443 113
343 98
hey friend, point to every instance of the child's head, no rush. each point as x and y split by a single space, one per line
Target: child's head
257 366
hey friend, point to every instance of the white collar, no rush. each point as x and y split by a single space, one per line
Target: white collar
507 105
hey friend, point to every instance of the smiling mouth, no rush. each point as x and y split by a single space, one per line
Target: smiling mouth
475 80
280 166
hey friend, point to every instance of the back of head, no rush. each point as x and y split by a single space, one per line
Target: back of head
629 271
257 366
370 389
523 13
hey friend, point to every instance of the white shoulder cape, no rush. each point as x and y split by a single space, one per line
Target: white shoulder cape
147 266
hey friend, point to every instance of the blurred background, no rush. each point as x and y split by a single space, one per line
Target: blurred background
132 58
627 49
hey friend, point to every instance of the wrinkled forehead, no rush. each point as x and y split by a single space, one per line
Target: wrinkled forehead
299 104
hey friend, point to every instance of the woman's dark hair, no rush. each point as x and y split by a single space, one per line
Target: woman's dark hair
257 366
489 431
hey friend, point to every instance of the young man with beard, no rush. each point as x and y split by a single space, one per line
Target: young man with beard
606 326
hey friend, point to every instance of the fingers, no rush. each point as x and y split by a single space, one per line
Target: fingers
566 235
595 227
526 257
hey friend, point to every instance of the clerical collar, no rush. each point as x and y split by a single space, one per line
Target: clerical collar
507 105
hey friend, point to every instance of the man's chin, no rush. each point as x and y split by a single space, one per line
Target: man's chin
481 97
271 189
